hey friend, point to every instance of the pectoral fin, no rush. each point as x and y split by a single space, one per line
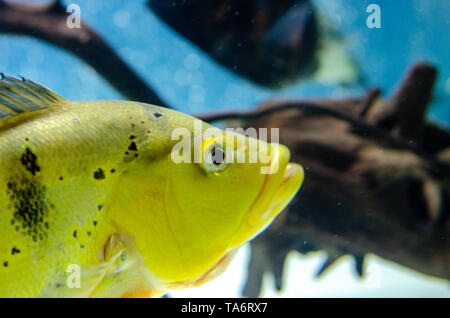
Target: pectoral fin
122 274
76 282
128 277
79 281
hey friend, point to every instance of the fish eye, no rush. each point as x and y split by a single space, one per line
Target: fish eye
214 158
218 156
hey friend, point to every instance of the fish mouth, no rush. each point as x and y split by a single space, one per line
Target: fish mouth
277 191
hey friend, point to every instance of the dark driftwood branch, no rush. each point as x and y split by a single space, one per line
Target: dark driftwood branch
47 22
373 183
398 114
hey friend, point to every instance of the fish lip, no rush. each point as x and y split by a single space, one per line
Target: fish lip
292 174
274 186
277 191
279 196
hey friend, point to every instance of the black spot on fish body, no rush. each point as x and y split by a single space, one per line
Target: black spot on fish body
15 250
148 131
30 206
127 153
157 115
99 174
5 264
75 234
132 146
88 233
95 223
61 178
136 155
113 170
132 137
29 160
100 206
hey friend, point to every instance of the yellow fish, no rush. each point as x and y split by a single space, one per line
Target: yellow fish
94 204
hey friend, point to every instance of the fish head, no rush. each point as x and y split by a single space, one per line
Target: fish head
221 202
206 197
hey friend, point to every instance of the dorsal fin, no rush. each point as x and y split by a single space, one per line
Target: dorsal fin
19 96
